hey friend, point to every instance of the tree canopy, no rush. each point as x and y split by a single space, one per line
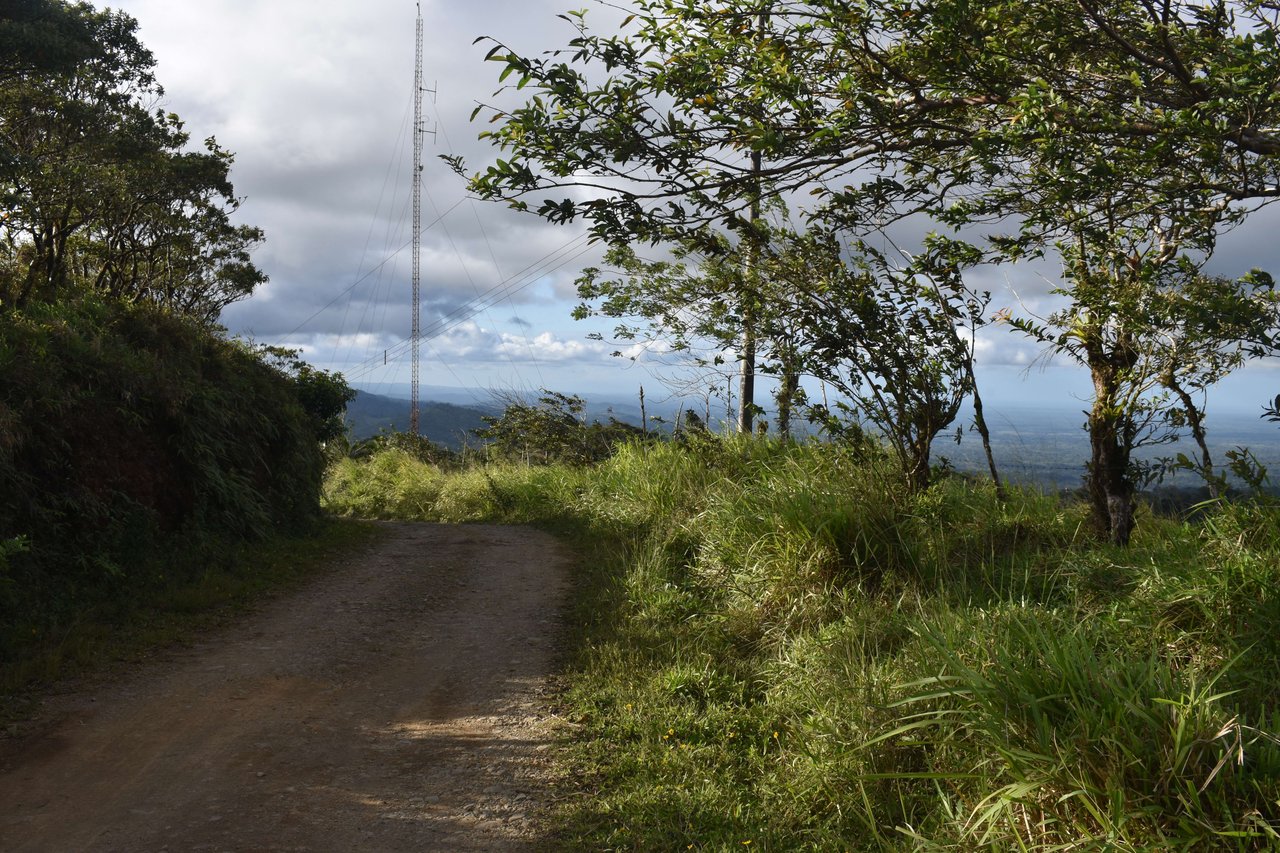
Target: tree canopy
99 188
1122 136
659 118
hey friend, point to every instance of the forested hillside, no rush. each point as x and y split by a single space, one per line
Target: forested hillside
446 424
136 440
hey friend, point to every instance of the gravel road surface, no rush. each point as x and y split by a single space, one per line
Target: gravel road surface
398 703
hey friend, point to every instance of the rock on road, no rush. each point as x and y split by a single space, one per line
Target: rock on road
397 703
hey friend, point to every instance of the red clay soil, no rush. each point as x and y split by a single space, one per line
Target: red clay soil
399 703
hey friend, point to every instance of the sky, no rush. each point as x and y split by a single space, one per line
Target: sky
315 99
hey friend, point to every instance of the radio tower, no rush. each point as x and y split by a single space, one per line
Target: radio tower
416 334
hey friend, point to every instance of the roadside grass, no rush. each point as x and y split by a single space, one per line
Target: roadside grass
394 485
780 649
197 590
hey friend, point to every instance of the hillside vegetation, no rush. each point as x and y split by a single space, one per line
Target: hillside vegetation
783 648
136 448
141 451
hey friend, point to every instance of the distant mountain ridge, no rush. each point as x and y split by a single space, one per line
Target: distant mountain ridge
448 424
453 413
1046 446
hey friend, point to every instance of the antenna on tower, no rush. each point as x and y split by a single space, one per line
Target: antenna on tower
416 334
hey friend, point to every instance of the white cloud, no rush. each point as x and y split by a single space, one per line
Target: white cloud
470 341
1000 346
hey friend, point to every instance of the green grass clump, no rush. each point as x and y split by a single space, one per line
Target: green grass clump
395 485
392 484
782 649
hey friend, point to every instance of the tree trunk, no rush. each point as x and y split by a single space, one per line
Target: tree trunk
644 419
747 370
786 397
747 387
916 463
980 421
1108 480
1196 422
1111 492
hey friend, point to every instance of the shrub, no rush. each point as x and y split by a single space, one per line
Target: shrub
127 432
553 429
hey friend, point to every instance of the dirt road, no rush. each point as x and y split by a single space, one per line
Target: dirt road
396 704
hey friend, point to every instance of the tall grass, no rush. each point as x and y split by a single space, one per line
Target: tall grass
781 649
394 484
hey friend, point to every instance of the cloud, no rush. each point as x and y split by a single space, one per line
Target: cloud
469 341
1000 346
314 98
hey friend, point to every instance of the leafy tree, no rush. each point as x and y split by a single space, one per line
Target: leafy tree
322 395
166 235
705 306
1132 226
668 113
60 129
938 103
663 300
99 192
1152 331
1128 152
889 338
1205 328
43 36
553 429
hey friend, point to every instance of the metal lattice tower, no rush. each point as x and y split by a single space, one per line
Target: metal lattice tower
416 334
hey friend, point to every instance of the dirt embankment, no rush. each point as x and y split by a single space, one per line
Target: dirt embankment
396 704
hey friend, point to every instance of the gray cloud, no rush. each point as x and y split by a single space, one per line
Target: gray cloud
314 99
314 96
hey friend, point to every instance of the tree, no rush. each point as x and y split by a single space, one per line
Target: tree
1114 132
889 337
323 395
167 236
99 192
1125 137
933 101
734 286
1133 225
671 110
62 129
553 429
1151 330
44 36
1207 327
